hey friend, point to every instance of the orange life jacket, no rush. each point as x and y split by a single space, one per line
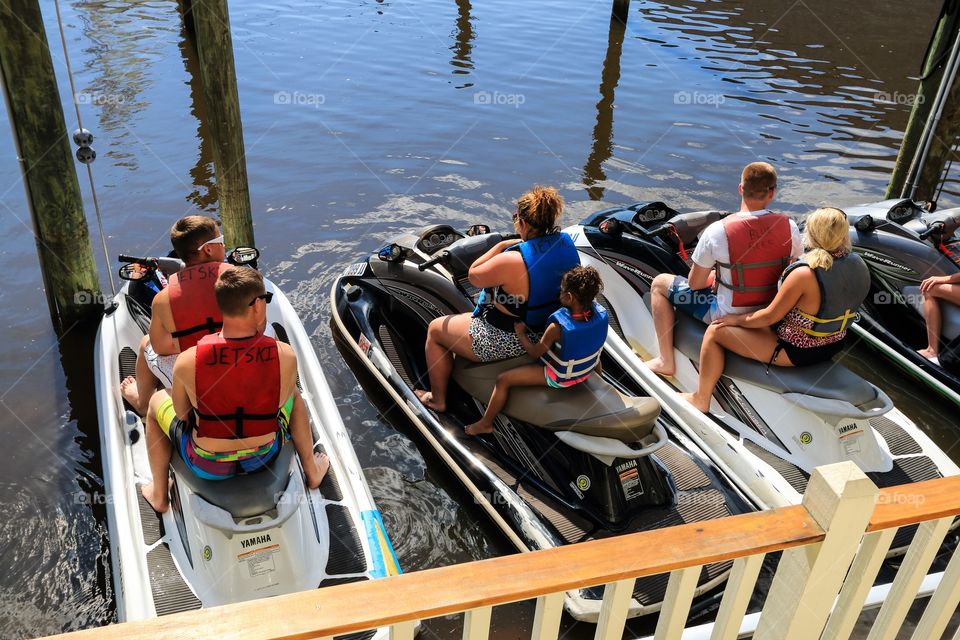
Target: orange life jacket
760 248
193 303
238 386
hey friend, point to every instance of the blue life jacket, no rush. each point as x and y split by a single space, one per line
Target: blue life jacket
575 355
546 258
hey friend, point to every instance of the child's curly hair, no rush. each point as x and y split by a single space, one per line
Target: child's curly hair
583 283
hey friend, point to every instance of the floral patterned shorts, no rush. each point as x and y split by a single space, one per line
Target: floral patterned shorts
491 343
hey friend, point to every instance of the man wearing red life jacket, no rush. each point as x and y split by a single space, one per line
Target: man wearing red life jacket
234 400
747 251
184 312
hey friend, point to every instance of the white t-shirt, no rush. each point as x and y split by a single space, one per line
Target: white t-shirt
713 248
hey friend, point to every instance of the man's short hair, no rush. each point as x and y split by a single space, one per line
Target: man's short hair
758 180
236 288
189 232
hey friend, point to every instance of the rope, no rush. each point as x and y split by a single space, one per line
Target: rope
93 189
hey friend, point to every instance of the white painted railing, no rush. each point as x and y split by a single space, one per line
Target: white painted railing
833 545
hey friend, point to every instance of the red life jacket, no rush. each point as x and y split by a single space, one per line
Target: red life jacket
238 386
193 303
760 248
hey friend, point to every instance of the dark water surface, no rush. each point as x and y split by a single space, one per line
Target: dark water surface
363 118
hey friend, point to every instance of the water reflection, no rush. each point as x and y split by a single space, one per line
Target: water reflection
462 48
603 129
119 59
204 195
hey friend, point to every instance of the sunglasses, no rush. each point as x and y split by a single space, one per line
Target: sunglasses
266 297
217 240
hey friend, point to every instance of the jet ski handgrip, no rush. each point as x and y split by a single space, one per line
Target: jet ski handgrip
936 227
434 260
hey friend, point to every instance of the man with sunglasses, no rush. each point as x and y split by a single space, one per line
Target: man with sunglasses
234 400
183 312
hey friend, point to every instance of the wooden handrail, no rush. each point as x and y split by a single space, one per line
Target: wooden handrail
918 502
479 585
437 592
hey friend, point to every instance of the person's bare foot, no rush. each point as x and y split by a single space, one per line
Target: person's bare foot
130 392
321 464
426 397
159 501
478 428
695 400
927 353
657 365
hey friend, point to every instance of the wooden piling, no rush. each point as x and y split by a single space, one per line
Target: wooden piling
46 159
933 67
211 22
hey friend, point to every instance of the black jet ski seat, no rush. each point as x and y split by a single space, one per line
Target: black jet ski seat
840 391
243 496
592 408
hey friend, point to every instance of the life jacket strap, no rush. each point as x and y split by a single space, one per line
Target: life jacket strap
844 319
210 326
740 268
238 418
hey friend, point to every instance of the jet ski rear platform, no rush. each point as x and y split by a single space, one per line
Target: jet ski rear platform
616 467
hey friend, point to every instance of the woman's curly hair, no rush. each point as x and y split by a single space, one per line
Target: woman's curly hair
541 208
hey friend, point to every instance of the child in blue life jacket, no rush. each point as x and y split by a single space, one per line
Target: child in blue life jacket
568 351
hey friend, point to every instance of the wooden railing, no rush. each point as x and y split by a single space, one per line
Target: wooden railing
833 545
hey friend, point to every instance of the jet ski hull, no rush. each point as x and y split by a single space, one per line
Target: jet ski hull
379 319
210 548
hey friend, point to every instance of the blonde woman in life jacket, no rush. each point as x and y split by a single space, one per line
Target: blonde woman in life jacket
816 302
746 251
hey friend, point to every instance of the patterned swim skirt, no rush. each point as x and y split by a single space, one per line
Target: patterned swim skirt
491 344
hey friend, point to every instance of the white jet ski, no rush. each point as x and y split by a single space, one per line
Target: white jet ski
251 536
767 429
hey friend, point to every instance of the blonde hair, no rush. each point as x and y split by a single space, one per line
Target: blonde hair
541 208
826 232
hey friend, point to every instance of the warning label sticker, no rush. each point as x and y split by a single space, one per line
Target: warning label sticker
356 269
630 480
260 561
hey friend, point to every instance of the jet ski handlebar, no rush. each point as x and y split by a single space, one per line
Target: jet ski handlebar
440 257
935 228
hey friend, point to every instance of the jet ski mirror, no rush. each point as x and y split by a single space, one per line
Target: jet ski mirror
244 257
865 224
611 227
391 253
478 230
135 271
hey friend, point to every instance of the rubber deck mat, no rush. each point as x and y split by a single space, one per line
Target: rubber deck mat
346 551
900 442
170 593
571 527
791 472
686 473
386 339
284 338
128 363
611 316
151 524
329 487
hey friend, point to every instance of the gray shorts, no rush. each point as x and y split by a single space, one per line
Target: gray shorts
161 366
491 344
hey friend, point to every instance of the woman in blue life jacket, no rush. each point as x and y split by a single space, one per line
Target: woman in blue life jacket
521 282
569 350
816 301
